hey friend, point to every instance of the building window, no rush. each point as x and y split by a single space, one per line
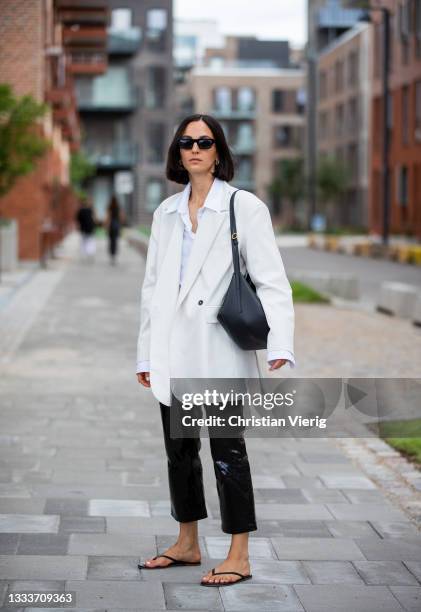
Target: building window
282 136
418 111
402 185
156 29
156 140
154 193
339 75
323 85
353 162
300 101
339 120
244 170
353 120
378 48
418 28
390 109
121 19
353 59
222 99
405 115
244 137
323 124
278 101
155 91
404 29
245 99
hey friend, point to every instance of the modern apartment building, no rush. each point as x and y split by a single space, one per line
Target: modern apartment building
344 116
262 113
326 21
44 45
404 120
128 112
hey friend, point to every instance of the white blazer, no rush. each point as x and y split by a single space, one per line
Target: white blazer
179 333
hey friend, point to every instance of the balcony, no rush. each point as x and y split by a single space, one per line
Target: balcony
113 156
111 92
244 147
87 16
76 36
244 183
123 42
87 63
75 4
227 113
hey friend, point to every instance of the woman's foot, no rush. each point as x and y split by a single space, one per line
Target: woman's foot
242 566
178 551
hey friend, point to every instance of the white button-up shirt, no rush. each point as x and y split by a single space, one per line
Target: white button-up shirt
188 237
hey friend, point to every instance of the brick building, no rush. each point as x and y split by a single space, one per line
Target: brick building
404 120
261 112
344 121
43 44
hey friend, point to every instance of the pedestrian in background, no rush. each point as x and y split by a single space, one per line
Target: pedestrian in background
113 222
86 220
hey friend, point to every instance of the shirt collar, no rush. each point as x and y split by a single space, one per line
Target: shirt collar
213 199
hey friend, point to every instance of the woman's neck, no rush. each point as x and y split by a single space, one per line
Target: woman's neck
200 187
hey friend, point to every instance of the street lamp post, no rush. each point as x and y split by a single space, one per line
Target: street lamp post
385 119
386 135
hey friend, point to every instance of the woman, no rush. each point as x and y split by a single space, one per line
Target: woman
188 270
85 218
113 224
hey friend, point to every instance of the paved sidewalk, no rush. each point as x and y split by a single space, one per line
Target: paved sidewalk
83 483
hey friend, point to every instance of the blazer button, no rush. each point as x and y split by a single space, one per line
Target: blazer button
200 302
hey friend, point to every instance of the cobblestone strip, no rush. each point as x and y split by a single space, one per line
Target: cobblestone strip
398 478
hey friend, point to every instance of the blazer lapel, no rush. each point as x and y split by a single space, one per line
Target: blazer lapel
206 233
168 280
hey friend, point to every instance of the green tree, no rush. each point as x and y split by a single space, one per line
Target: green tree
288 185
80 169
333 178
20 145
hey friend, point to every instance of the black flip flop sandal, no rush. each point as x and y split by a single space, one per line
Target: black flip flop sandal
223 584
175 562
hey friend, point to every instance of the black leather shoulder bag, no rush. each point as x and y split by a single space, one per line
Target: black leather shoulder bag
241 313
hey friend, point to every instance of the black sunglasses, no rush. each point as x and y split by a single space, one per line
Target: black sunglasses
203 143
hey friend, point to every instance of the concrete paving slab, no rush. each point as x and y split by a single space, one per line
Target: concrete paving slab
345 597
385 572
323 549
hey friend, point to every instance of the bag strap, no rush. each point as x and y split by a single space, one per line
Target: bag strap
234 245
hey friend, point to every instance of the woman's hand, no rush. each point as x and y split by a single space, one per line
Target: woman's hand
143 378
277 363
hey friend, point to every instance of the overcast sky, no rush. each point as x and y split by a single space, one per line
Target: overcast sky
266 19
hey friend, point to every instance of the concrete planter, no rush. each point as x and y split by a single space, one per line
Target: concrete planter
398 299
9 246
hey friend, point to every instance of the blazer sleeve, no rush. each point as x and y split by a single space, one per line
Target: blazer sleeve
265 266
143 341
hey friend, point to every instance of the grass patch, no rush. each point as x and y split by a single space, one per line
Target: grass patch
410 447
404 436
304 293
144 229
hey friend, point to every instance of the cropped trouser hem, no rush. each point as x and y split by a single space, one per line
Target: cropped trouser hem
232 473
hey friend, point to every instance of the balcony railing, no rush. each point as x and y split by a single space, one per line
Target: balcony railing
92 63
113 155
227 113
85 36
124 42
85 16
244 147
120 102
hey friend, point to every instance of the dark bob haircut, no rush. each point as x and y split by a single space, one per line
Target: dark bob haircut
224 170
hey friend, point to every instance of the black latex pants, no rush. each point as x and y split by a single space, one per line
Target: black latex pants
232 472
